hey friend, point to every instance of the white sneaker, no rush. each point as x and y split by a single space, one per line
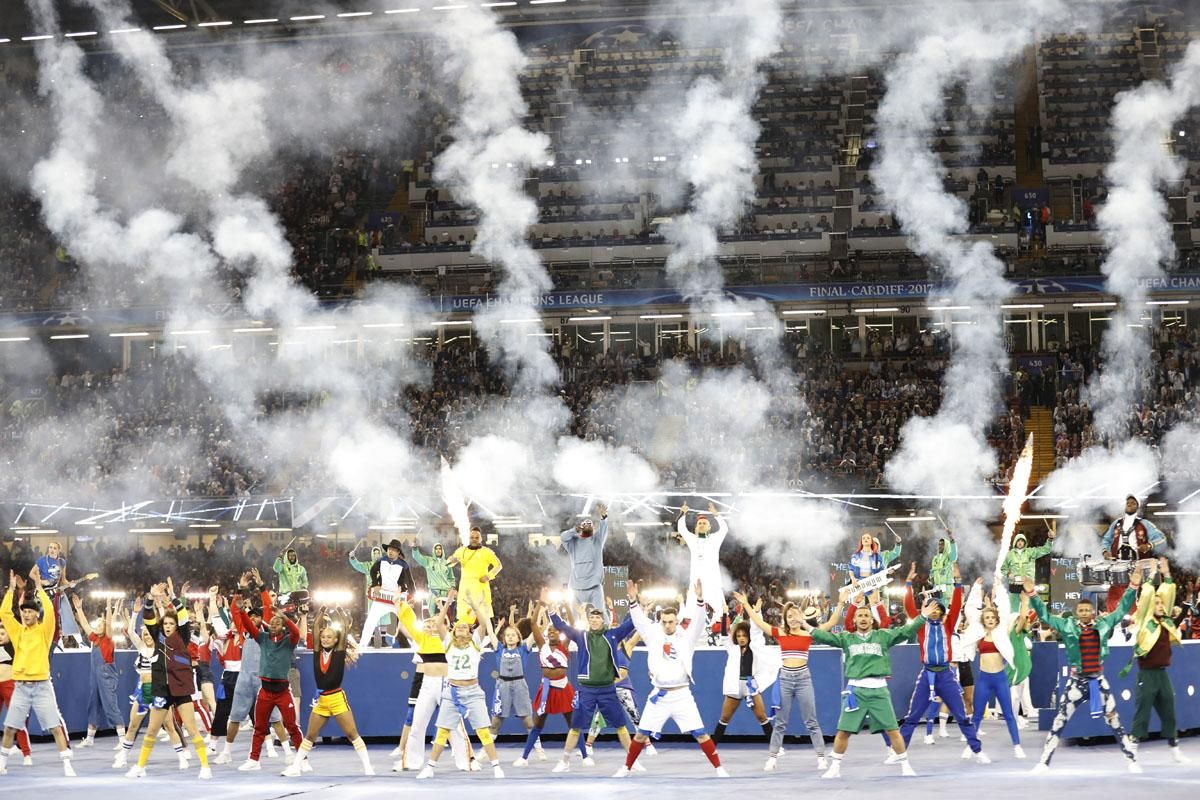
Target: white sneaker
87 741
396 752
121 760
623 772
250 765
521 762
637 767
562 766
929 739
271 753
834 771
1135 768
721 773
942 732
205 773
822 762
1022 723
966 753
163 736
184 763
906 769
1177 755
541 753
292 771
589 749
474 766
367 768
982 758
69 771
589 761
118 745
772 762
1018 751
650 751
398 766
224 757
136 772
425 774
27 761
893 757
1041 769
497 772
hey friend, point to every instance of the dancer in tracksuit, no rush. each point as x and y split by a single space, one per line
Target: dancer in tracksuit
868 666
585 545
1156 635
705 549
1085 638
277 645
624 687
936 678
597 678
669 651
103 711
795 682
751 668
439 575
247 683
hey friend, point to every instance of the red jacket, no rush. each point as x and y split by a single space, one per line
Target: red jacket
949 621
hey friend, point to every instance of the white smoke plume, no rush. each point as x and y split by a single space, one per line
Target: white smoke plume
1137 232
220 125
486 167
948 454
1180 457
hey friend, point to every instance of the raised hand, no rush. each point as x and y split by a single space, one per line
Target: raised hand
700 592
683 509
602 510
928 608
912 572
631 590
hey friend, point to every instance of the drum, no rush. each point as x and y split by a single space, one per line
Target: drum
1118 573
1093 572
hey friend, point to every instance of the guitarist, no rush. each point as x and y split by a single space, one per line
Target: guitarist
50 572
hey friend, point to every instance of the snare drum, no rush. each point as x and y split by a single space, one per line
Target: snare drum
1118 573
1093 573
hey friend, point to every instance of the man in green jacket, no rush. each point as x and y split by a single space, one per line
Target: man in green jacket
1085 638
1020 563
292 575
439 575
867 667
941 567
1156 634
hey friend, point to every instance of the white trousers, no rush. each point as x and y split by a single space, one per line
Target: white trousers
377 612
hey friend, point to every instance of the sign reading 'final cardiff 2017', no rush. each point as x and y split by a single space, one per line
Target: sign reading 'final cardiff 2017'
614 298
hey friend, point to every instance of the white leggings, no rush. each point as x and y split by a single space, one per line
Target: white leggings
377 612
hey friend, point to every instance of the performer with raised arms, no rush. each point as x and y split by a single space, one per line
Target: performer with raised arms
669 651
1156 634
705 548
867 668
936 678
1085 637
31 639
585 545
990 632
868 560
329 666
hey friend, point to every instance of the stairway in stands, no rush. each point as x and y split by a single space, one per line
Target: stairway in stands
1041 425
1027 114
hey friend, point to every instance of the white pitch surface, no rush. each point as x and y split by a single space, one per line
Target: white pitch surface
678 771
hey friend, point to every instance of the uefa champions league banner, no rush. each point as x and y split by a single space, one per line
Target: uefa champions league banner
831 293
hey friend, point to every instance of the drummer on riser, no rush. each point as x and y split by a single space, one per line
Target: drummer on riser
1130 538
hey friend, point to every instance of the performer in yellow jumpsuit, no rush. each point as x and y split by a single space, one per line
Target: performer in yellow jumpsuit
480 566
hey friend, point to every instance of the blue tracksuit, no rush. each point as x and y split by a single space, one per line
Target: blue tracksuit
590 698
